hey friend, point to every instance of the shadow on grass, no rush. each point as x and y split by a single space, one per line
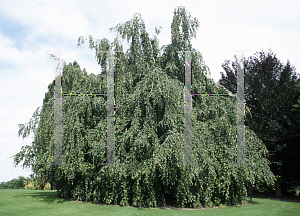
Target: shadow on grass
254 202
172 206
42 196
50 197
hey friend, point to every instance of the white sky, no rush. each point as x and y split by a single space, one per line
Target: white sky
28 29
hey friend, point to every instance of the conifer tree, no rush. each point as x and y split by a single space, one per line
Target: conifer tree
270 93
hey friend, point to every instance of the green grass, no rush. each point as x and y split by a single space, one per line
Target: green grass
38 202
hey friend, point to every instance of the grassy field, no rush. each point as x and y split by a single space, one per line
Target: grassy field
39 202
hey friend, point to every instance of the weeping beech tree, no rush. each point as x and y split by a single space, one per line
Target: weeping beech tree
149 128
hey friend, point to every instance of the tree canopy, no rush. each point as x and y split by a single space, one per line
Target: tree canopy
270 93
149 128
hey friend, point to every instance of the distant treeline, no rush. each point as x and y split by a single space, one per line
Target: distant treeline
16 183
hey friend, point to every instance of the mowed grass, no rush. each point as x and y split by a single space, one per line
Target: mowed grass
37 202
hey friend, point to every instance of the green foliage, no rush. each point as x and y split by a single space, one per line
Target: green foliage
297 105
149 130
28 183
270 93
16 183
31 185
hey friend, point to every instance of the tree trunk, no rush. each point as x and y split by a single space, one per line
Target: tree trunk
278 189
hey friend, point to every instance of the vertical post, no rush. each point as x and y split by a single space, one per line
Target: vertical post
240 110
58 115
58 107
110 110
187 110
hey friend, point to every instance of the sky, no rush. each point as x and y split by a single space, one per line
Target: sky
30 29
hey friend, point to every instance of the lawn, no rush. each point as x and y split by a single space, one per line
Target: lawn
40 202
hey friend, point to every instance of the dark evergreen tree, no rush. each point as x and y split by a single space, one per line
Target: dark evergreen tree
270 93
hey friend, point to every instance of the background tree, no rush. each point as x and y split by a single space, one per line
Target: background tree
270 93
149 130
16 183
